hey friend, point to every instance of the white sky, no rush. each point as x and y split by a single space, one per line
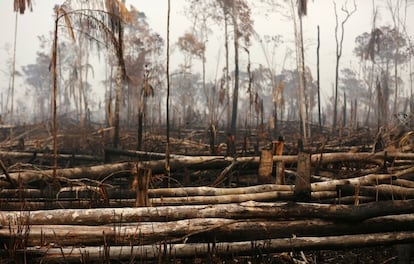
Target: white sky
320 12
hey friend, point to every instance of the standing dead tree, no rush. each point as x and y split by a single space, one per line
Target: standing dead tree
339 38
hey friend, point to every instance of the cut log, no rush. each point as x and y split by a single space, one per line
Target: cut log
281 210
205 191
74 254
199 229
363 180
222 199
141 155
26 155
381 190
68 192
94 172
131 234
97 201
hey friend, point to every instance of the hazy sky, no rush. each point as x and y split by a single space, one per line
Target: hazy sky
321 12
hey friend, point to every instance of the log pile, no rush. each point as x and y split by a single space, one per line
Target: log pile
124 211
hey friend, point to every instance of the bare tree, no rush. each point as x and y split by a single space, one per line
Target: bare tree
339 38
318 81
239 13
301 10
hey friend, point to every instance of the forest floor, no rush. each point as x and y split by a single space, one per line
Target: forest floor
190 142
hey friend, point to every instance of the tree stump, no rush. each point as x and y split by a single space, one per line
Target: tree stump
265 167
302 183
140 183
279 165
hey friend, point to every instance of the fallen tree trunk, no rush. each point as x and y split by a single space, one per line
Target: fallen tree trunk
74 254
363 180
98 202
131 234
381 190
198 229
211 191
220 161
39 155
280 210
87 197
238 198
142 155
94 172
198 162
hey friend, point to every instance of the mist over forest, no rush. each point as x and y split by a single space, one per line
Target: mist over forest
285 84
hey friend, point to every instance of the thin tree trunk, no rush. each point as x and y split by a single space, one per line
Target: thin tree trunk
304 100
54 57
226 45
344 117
167 146
299 47
13 76
236 71
81 89
318 82
336 93
117 106
339 46
140 130
119 77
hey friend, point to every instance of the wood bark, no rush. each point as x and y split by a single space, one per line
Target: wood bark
90 196
200 229
246 210
74 254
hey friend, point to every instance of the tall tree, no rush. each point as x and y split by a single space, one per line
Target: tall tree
339 39
318 81
167 146
240 16
300 59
